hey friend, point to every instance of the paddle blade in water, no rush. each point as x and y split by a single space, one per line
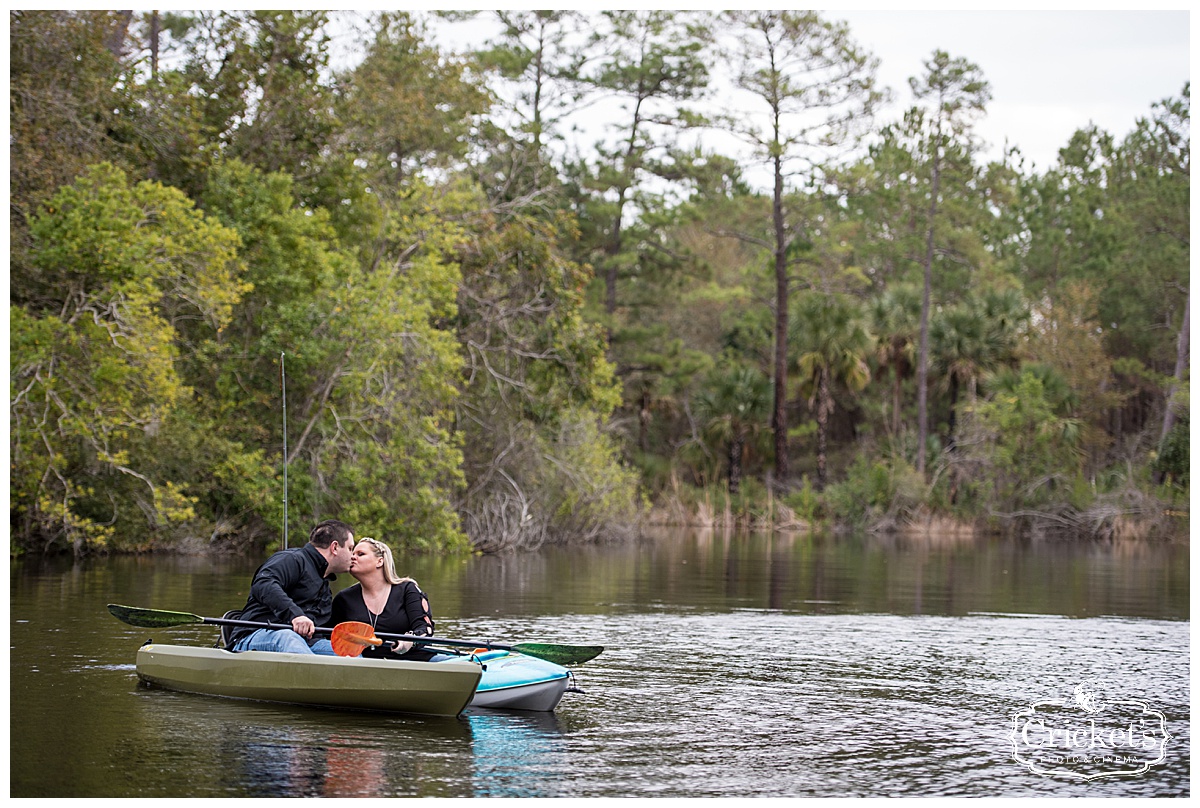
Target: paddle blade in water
559 654
349 639
152 618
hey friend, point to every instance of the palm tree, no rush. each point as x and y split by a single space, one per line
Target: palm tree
960 354
1062 400
896 321
1007 315
833 342
733 407
974 339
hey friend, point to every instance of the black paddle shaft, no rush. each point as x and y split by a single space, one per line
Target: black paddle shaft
157 618
224 621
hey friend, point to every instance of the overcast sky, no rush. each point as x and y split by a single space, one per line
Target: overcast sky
1051 72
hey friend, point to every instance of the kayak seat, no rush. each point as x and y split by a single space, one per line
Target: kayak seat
226 631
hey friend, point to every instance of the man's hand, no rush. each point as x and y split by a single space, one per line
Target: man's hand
303 626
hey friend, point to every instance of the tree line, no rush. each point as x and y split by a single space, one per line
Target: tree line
492 337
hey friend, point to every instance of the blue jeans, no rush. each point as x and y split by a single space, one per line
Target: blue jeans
285 640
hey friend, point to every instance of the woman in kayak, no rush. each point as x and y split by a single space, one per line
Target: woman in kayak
385 601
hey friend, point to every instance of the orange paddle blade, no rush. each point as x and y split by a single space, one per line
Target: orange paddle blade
349 639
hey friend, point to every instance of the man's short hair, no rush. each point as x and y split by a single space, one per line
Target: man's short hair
328 532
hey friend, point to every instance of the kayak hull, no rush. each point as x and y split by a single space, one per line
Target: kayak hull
518 682
378 685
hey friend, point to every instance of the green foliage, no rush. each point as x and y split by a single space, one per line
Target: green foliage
130 278
815 87
559 482
539 61
807 503
795 62
480 335
1114 216
370 367
592 493
1060 396
538 466
1174 456
874 491
976 337
68 98
261 75
832 342
407 106
654 63
1020 453
732 412
751 506
895 322
1069 342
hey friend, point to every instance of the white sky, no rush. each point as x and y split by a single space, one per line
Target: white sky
1052 72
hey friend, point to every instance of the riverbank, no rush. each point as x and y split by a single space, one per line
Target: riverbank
1132 515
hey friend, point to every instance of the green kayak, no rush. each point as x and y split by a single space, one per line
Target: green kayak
423 688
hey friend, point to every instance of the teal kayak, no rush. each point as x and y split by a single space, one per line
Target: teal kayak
513 681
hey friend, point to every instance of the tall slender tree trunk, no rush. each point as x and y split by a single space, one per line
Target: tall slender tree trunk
614 243
154 41
737 447
1181 362
644 421
610 273
952 423
537 108
896 394
824 409
923 353
1182 354
779 416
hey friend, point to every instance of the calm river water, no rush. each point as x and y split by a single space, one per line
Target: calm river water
743 665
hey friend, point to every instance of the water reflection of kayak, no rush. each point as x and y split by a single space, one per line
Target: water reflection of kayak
496 679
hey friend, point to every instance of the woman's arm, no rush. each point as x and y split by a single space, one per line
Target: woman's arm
416 608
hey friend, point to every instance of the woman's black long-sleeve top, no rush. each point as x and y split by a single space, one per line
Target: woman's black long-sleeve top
406 612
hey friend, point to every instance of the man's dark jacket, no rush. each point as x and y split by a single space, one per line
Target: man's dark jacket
289 584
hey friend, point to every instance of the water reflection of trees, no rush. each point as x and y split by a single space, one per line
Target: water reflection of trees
940 573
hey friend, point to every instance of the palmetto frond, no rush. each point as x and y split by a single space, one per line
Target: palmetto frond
831 337
738 399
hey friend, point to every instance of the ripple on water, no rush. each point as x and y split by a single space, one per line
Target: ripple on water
851 705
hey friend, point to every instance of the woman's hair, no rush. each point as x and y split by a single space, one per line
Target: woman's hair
381 550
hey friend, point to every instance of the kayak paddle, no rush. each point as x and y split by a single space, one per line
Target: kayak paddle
551 652
351 639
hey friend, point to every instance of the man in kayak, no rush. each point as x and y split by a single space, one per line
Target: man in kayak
292 586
